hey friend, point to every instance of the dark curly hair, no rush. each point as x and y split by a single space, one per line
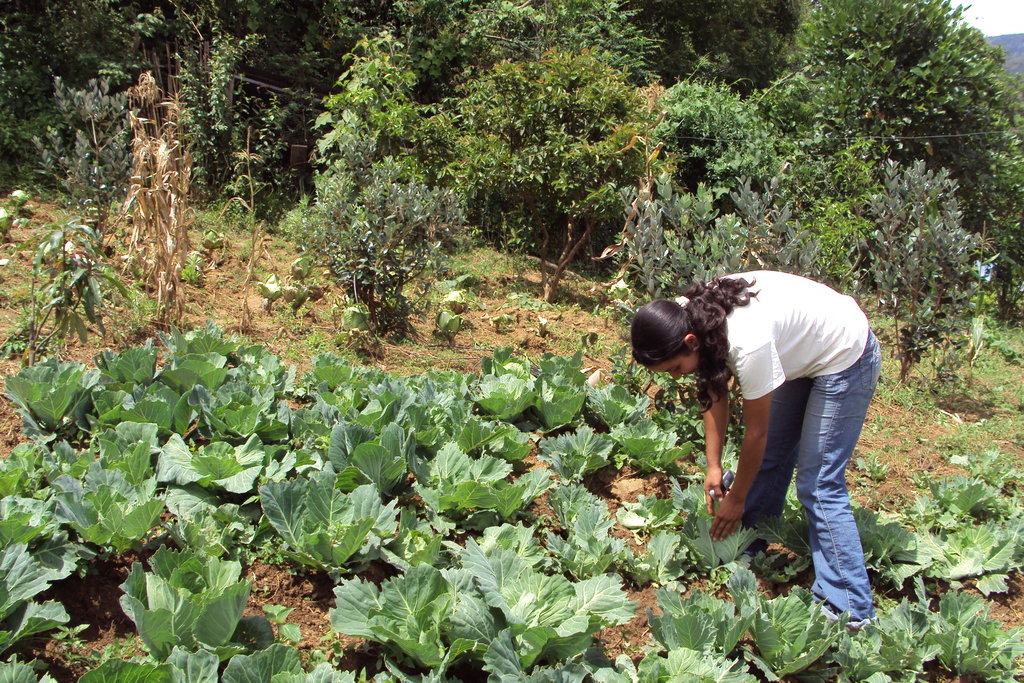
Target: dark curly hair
659 327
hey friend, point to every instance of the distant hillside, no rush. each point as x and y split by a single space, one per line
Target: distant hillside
1014 46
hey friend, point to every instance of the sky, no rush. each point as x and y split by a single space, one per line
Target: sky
994 17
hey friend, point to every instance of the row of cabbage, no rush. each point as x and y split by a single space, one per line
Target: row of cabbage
215 448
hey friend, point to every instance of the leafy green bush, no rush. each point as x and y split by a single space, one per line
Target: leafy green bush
922 264
22 577
790 631
373 115
915 76
588 548
380 234
833 191
93 169
497 607
542 146
325 527
493 32
52 397
206 112
971 643
717 137
104 508
673 238
577 454
192 602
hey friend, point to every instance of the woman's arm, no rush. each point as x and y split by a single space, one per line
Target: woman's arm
755 435
715 420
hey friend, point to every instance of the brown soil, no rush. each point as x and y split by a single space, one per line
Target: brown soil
92 601
907 448
626 486
630 638
1007 607
310 595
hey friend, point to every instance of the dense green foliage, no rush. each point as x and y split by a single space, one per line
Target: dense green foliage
746 44
718 137
914 82
380 235
675 237
914 78
533 114
871 143
77 41
542 148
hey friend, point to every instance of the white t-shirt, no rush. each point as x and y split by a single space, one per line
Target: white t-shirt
793 328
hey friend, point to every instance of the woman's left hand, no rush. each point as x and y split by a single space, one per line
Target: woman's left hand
728 516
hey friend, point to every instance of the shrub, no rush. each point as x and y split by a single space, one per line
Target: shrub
673 238
921 262
717 136
379 233
93 168
542 146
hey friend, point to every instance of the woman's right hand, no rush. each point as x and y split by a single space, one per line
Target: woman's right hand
713 491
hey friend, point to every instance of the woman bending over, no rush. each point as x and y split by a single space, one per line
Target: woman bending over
807 364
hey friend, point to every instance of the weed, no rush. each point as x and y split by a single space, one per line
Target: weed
192 273
278 616
871 466
122 649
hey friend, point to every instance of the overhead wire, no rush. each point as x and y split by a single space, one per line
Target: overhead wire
848 138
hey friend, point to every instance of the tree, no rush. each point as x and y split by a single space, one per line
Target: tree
446 39
718 137
543 147
77 40
916 82
743 43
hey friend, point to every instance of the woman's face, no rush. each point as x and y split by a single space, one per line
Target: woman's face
683 364
676 367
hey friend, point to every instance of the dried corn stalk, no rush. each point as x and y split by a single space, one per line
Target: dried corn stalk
158 198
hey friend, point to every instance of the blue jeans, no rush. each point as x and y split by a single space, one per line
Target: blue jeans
813 427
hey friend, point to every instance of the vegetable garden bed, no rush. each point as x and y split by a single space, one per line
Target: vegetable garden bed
249 524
